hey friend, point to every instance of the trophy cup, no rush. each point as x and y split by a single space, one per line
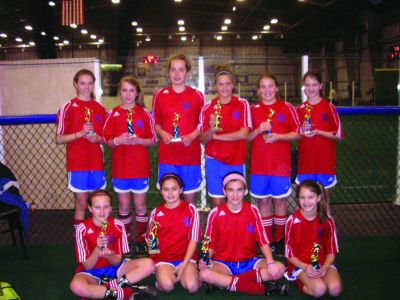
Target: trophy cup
307 118
217 114
103 232
314 256
204 250
269 121
153 238
130 124
175 129
88 113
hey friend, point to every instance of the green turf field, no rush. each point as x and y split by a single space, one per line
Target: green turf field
369 268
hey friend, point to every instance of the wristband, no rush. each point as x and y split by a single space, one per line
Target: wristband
115 141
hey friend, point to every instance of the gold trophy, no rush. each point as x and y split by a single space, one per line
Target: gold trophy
175 129
129 123
88 113
307 118
103 232
269 121
204 250
314 256
217 114
153 237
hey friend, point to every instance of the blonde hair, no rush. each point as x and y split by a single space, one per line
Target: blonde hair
134 82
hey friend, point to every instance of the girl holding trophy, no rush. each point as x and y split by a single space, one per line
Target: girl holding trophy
176 111
79 126
311 243
275 126
129 131
321 129
172 236
225 123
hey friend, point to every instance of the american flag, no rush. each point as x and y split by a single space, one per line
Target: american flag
71 12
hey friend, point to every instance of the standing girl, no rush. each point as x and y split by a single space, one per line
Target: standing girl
176 111
321 129
129 131
225 123
80 123
275 126
311 243
172 236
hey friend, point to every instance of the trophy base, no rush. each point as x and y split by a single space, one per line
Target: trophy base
176 140
132 135
266 136
154 251
307 133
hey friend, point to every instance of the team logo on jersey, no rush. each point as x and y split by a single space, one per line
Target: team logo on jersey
330 179
236 114
90 231
186 221
116 114
160 214
165 92
296 221
324 117
222 213
98 118
250 228
186 105
139 123
320 232
281 117
110 239
257 105
75 105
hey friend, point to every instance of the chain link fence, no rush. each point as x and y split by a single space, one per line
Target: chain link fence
363 202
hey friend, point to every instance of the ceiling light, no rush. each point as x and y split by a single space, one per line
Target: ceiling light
66 42
170 37
183 38
18 39
28 27
274 21
148 39
73 25
115 1
227 21
93 36
224 27
266 27
219 37
254 37
181 22
234 8
56 38
3 35
239 0
43 33
139 29
134 23
101 41
181 28
32 43
177 0
84 31
51 3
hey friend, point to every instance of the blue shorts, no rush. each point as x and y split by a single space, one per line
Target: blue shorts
263 186
109 272
134 185
237 268
174 264
86 181
215 173
190 175
327 180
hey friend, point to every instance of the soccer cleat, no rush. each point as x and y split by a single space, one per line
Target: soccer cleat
144 291
279 248
272 288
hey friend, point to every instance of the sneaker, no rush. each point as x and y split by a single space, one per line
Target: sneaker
143 291
273 288
279 248
208 287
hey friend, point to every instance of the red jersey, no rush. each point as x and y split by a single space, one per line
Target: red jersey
86 235
188 104
82 155
234 116
176 227
129 161
272 158
301 234
317 154
234 235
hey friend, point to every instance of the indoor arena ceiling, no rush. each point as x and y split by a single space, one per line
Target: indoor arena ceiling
299 23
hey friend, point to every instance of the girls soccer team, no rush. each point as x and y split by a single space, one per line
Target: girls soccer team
235 227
